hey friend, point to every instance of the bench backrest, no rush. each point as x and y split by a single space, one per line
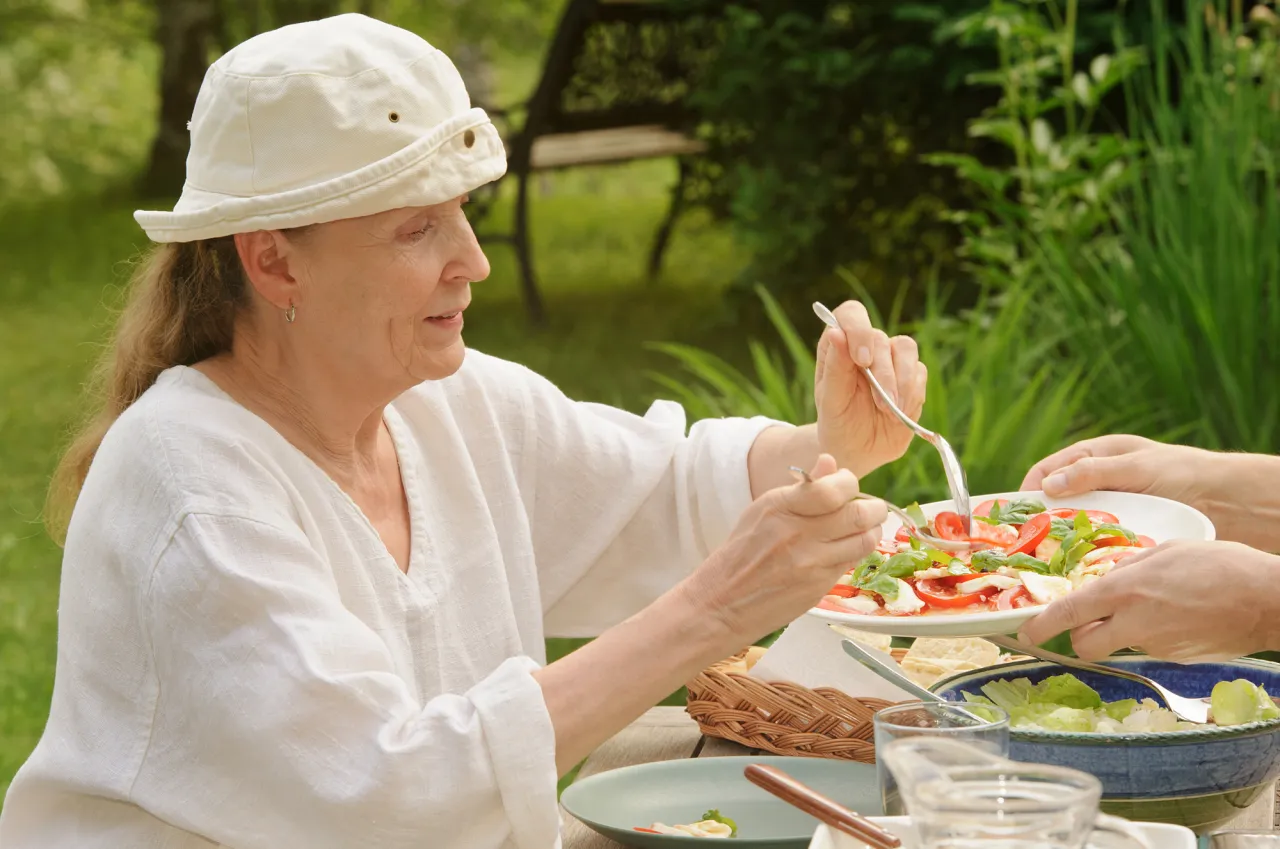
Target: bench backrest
620 63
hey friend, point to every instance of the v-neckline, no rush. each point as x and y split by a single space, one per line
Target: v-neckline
408 480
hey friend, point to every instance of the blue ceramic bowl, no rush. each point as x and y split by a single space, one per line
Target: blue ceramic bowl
1199 778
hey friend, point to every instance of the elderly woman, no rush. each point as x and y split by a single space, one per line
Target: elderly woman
316 545
1181 601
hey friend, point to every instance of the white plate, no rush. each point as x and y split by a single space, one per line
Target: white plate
1158 836
1158 518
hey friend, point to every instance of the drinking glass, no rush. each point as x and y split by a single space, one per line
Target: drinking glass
994 803
984 726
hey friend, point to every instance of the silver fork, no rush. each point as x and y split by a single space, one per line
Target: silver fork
956 481
908 522
1188 709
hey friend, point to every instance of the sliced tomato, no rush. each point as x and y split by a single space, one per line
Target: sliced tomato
984 509
1098 517
1146 541
1001 536
950 580
1014 597
823 604
843 590
936 593
902 535
646 830
948 525
1031 534
1105 542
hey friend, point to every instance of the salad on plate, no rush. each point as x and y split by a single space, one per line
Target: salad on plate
1031 556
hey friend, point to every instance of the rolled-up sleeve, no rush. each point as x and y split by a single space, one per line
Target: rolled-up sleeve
624 506
280 721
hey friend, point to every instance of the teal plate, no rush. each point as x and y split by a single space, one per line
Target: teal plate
678 792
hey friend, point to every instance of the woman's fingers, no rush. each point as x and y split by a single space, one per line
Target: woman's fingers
1090 603
1102 446
854 518
858 332
911 373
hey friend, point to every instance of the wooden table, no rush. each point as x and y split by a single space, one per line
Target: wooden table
667 733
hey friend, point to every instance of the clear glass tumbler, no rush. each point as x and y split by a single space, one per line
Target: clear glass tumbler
984 726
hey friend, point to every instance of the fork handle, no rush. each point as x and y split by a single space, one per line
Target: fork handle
1073 662
920 430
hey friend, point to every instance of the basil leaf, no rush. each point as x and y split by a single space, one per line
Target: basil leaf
987 520
917 515
1116 530
882 585
1059 528
958 567
905 564
1068 556
1017 512
1082 523
988 560
1032 564
869 565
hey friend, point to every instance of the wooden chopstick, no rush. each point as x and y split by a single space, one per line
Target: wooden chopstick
816 805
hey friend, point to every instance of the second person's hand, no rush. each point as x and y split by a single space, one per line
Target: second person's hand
1181 601
1236 491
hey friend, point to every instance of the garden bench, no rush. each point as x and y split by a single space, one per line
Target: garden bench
614 88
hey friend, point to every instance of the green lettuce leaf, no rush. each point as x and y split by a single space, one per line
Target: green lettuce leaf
1238 702
716 816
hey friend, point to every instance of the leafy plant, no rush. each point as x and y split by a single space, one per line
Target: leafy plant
1191 304
1062 172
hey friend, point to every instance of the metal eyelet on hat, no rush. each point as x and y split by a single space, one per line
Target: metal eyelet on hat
469 138
393 117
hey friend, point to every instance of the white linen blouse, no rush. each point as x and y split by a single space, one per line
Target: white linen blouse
241 663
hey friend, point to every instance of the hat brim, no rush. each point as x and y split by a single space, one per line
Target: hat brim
438 167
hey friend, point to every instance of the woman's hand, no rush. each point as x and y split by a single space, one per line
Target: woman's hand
788 549
853 426
1236 491
1181 601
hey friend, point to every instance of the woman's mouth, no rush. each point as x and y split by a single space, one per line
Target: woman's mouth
448 319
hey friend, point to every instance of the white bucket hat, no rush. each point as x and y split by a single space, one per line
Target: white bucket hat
335 118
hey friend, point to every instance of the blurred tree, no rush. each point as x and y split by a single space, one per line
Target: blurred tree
187 32
73 93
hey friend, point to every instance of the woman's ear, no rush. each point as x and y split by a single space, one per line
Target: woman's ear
270 262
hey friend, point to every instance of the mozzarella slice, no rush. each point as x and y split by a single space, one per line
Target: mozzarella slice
1000 582
907 600
1045 588
857 604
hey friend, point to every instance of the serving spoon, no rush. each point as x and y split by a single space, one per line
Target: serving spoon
912 526
950 462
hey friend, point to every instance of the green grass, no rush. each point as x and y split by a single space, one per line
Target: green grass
63 265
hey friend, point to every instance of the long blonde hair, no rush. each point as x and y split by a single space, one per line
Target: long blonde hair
181 308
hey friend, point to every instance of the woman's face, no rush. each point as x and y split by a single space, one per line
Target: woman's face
379 299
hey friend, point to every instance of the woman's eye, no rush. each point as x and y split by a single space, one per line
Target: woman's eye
416 235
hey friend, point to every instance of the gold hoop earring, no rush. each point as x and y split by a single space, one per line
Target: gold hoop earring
291 313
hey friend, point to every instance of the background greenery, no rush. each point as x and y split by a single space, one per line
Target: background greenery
1072 205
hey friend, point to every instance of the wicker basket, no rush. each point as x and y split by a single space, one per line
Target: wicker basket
783 718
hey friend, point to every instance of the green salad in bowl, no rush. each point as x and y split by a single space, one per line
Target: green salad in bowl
1065 703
